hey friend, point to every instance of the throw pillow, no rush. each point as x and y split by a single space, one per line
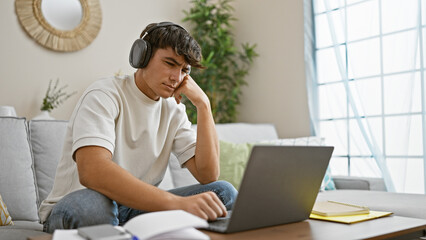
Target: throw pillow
5 218
327 182
47 139
17 180
233 161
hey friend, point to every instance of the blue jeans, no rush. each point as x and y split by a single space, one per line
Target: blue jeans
87 207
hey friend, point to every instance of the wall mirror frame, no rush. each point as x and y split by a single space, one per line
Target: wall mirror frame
31 18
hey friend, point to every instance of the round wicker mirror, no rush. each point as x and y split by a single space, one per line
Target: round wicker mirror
42 30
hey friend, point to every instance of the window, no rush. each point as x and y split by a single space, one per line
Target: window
370 58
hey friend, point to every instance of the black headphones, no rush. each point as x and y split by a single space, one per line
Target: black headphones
141 50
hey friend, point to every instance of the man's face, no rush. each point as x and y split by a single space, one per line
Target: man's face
163 74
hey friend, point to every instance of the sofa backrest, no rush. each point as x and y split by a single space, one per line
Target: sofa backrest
29 154
359 183
246 132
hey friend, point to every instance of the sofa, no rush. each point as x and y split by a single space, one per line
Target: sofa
30 150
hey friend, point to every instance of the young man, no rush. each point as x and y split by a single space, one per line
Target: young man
122 132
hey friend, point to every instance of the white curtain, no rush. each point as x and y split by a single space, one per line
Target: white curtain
366 87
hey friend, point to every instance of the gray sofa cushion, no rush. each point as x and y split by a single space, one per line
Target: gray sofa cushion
47 139
17 183
21 234
23 225
401 204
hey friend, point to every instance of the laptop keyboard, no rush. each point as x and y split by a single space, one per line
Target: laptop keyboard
221 223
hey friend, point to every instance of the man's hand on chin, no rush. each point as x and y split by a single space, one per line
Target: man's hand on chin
192 91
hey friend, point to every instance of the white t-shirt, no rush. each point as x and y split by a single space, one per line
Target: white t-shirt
139 132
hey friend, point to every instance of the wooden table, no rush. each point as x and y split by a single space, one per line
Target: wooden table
392 227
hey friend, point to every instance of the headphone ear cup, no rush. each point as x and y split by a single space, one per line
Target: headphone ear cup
140 53
147 54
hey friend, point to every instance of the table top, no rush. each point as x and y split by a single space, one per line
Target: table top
381 228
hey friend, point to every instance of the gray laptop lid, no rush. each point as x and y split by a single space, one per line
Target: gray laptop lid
279 186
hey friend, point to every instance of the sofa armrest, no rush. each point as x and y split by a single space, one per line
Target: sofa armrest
359 183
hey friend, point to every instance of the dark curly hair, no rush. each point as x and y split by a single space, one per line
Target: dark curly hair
178 39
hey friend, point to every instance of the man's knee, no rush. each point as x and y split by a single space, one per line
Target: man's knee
82 208
226 192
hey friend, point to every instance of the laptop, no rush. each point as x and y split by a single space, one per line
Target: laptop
280 185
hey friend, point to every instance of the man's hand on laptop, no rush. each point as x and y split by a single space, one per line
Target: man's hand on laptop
204 205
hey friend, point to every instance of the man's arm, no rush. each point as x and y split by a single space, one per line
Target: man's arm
97 171
204 166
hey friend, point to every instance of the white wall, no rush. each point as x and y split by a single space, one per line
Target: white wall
276 89
276 92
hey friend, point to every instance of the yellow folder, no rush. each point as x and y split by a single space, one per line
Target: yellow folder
352 218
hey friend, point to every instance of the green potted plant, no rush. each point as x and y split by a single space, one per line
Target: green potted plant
54 97
211 26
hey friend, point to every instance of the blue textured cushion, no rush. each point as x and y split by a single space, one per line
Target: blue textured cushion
327 182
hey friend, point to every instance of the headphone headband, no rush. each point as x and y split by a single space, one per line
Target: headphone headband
162 24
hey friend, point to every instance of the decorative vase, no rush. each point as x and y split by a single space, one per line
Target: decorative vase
44 115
